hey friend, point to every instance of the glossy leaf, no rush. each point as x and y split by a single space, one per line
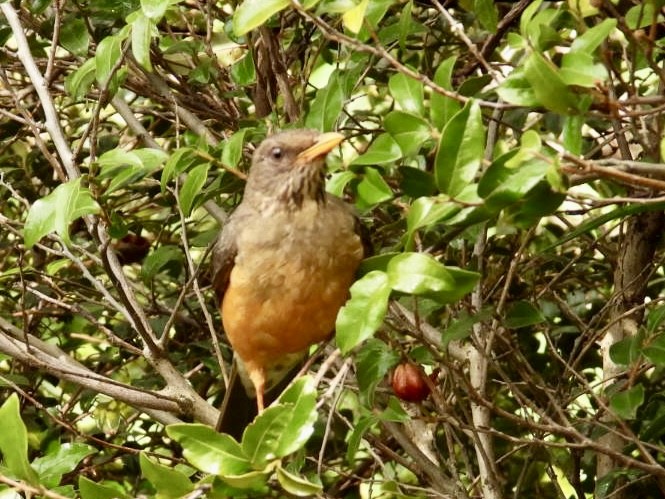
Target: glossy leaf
209 451
443 108
54 212
372 189
363 313
408 93
327 106
14 441
60 461
78 83
383 150
460 151
142 31
517 90
169 482
591 39
192 186
91 490
232 152
548 86
626 403
296 485
251 14
419 274
409 131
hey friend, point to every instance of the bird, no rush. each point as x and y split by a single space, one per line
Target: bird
282 266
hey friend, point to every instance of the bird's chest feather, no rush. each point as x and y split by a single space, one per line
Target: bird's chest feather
292 273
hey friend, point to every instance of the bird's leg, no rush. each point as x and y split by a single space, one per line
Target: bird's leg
258 377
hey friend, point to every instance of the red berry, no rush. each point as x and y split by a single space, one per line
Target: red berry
409 384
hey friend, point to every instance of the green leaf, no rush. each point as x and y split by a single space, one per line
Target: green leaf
359 429
527 16
91 490
654 350
383 150
253 13
462 326
517 90
487 15
626 403
180 161
418 274
443 108
641 16
243 71
522 314
63 459
425 212
209 451
579 69
79 82
373 361
408 93
363 313
169 482
548 86
409 131
109 52
326 106
232 152
54 212
14 441
74 36
572 133
501 186
626 351
415 182
282 428
460 150
155 9
338 181
158 259
354 17
296 485
589 41
192 186
372 189
142 30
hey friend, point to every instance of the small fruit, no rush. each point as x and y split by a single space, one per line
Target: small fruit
409 384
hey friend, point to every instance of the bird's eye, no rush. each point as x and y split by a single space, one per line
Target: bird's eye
276 153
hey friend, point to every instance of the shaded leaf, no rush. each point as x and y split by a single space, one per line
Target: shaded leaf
626 403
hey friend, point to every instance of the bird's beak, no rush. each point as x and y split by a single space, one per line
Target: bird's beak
325 143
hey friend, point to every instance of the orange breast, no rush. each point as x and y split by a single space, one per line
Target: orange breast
287 285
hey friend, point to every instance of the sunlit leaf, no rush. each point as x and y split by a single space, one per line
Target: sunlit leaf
251 14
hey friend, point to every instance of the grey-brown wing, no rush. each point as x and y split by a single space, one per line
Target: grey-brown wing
223 257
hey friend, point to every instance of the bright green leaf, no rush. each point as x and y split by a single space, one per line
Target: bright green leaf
460 150
109 52
548 86
363 313
91 490
589 41
155 9
383 150
372 189
326 106
142 31
63 459
409 131
169 482
56 211
14 441
443 108
232 152
408 93
296 485
191 187
418 274
79 82
251 14
209 451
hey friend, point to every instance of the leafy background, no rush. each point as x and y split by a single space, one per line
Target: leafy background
507 159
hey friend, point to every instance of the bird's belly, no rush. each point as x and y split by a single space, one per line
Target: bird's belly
284 297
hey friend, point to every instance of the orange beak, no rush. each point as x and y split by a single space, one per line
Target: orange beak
325 143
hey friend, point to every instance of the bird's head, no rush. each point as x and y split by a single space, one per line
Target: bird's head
289 166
